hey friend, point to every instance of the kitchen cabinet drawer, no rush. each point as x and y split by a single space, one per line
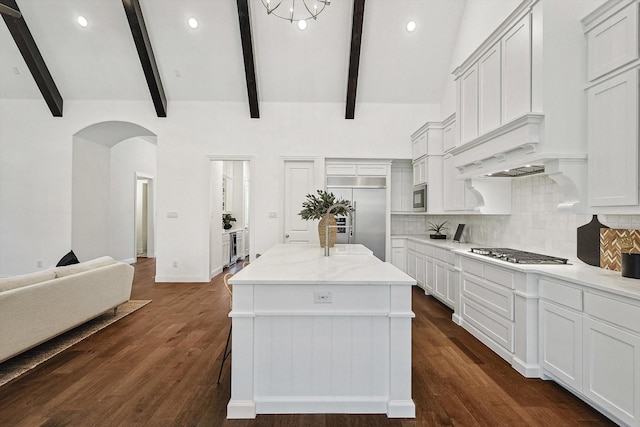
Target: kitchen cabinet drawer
411 245
619 313
472 266
421 248
398 243
560 294
497 328
500 276
372 170
492 297
441 254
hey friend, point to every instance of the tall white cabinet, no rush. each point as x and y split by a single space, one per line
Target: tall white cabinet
613 65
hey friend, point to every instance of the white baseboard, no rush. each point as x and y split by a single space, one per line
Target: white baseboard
241 409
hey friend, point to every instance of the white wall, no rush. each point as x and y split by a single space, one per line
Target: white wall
36 157
90 194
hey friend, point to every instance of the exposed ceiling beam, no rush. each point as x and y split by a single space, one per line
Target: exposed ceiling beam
31 54
145 52
354 57
247 53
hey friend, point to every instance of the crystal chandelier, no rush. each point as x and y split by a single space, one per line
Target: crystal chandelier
310 9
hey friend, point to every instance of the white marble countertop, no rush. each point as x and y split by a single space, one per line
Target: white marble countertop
577 271
306 264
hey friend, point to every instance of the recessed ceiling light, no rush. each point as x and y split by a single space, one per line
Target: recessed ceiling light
302 25
193 23
82 21
411 26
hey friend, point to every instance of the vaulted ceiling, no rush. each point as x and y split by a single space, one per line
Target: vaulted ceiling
100 61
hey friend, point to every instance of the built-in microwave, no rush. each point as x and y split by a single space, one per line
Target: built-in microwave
420 198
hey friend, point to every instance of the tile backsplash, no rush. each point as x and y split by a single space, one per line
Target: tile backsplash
535 224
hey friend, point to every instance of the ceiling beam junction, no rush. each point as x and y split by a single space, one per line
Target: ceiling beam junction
31 54
354 57
145 52
247 53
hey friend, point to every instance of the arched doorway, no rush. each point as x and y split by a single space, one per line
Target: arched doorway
109 160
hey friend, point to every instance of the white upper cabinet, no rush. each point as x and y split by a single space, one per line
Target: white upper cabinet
516 70
613 42
613 141
494 84
401 187
419 146
489 91
449 136
613 107
469 104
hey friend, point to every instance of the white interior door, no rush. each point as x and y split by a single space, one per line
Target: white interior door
299 180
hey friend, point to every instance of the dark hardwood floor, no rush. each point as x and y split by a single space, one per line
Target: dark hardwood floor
158 367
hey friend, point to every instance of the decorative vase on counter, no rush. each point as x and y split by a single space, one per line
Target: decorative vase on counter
332 231
437 236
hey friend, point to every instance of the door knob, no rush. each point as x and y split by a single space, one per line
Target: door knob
286 236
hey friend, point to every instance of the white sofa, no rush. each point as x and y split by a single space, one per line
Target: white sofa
38 306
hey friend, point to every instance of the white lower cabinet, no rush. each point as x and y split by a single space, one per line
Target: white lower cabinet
421 272
399 254
440 282
226 249
561 344
611 374
590 343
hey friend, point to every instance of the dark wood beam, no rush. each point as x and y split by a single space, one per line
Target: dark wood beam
354 57
31 54
145 52
247 53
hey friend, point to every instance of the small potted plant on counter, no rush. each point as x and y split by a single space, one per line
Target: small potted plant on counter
437 228
315 207
227 219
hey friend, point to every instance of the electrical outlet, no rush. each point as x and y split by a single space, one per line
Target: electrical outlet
175 264
273 214
322 297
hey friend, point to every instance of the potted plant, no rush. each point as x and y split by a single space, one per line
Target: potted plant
227 219
315 207
437 228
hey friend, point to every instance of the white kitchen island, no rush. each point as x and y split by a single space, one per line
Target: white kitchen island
316 334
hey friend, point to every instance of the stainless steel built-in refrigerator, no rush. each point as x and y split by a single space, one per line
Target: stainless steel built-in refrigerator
367 224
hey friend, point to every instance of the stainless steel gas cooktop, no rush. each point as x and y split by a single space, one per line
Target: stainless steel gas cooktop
518 257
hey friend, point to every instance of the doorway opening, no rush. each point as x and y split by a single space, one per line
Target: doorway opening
144 218
230 198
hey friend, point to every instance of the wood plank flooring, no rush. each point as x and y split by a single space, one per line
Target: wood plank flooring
158 367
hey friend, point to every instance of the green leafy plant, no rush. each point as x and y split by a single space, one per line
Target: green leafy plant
227 219
437 228
316 205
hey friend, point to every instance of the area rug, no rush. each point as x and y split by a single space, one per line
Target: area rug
22 363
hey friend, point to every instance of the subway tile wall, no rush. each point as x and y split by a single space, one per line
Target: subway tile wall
535 224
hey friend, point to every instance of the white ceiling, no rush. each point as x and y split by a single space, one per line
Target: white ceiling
100 61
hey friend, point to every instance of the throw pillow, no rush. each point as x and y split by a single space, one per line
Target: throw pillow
68 259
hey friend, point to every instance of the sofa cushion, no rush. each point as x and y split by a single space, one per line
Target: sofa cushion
26 279
68 259
83 266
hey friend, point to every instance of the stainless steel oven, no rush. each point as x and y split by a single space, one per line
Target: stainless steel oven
420 198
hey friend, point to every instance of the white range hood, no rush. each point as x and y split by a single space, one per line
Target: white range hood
521 144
